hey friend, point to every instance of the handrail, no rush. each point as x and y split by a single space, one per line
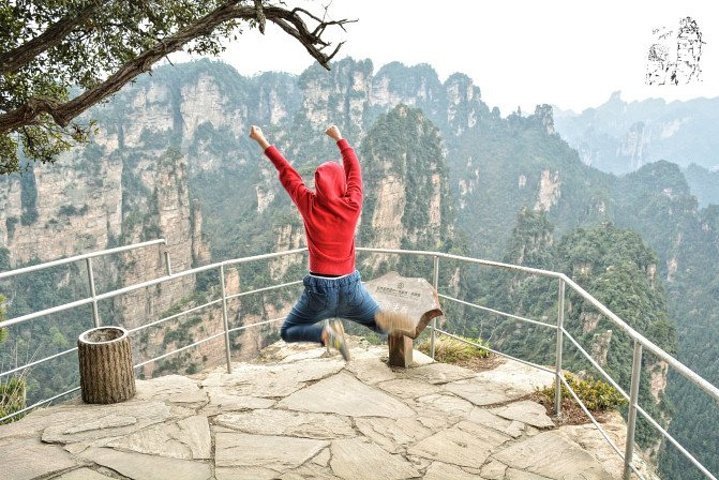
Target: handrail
640 341
449 256
138 286
646 343
90 276
76 258
496 352
496 312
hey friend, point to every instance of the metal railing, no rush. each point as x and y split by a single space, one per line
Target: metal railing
640 342
95 298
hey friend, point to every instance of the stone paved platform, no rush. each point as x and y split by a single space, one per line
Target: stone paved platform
300 414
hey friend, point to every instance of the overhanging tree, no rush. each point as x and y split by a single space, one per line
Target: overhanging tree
60 57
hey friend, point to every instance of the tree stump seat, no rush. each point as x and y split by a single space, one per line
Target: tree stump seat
414 297
106 372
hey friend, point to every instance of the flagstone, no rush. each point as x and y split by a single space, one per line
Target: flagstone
394 435
345 395
550 455
264 451
358 459
517 376
465 444
28 459
371 370
83 474
92 422
482 392
484 417
437 373
282 422
445 471
139 466
187 439
493 470
527 412
222 400
445 403
408 388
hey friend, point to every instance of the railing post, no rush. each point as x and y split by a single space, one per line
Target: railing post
558 360
91 278
435 283
224 318
168 265
632 417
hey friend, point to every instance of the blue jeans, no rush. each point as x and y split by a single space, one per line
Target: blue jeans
323 298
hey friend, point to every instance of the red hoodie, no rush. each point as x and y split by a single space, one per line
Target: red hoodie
330 213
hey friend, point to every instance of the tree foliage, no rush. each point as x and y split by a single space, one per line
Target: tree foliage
60 57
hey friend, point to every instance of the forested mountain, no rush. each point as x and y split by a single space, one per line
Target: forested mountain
620 137
612 264
443 171
703 183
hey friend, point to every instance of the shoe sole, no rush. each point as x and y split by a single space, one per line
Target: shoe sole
340 332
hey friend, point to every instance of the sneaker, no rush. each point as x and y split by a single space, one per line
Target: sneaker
336 338
391 322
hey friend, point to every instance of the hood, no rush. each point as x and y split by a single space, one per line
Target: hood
330 181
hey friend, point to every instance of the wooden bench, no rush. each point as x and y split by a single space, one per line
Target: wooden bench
414 297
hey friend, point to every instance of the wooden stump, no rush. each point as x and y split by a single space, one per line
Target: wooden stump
106 373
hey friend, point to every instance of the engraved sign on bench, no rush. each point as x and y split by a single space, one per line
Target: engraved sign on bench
414 297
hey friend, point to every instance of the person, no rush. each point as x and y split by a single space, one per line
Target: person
333 287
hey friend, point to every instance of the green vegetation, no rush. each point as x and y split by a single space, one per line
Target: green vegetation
405 145
12 398
71 210
53 67
614 266
28 197
596 395
704 184
45 336
12 390
452 350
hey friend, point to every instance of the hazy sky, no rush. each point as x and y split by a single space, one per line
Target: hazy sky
572 54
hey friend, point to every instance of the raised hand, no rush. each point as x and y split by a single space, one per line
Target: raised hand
257 135
334 133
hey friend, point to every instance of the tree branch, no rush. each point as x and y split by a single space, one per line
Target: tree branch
260 16
19 56
63 113
293 24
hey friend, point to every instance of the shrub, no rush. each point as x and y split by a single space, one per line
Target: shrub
595 394
451 350
12 397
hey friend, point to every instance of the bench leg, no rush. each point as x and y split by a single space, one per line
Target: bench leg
400 351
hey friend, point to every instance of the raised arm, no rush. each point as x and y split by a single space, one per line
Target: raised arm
257 135
351 164
334 133
290 179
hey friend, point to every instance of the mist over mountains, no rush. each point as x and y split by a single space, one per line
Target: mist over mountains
620 137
